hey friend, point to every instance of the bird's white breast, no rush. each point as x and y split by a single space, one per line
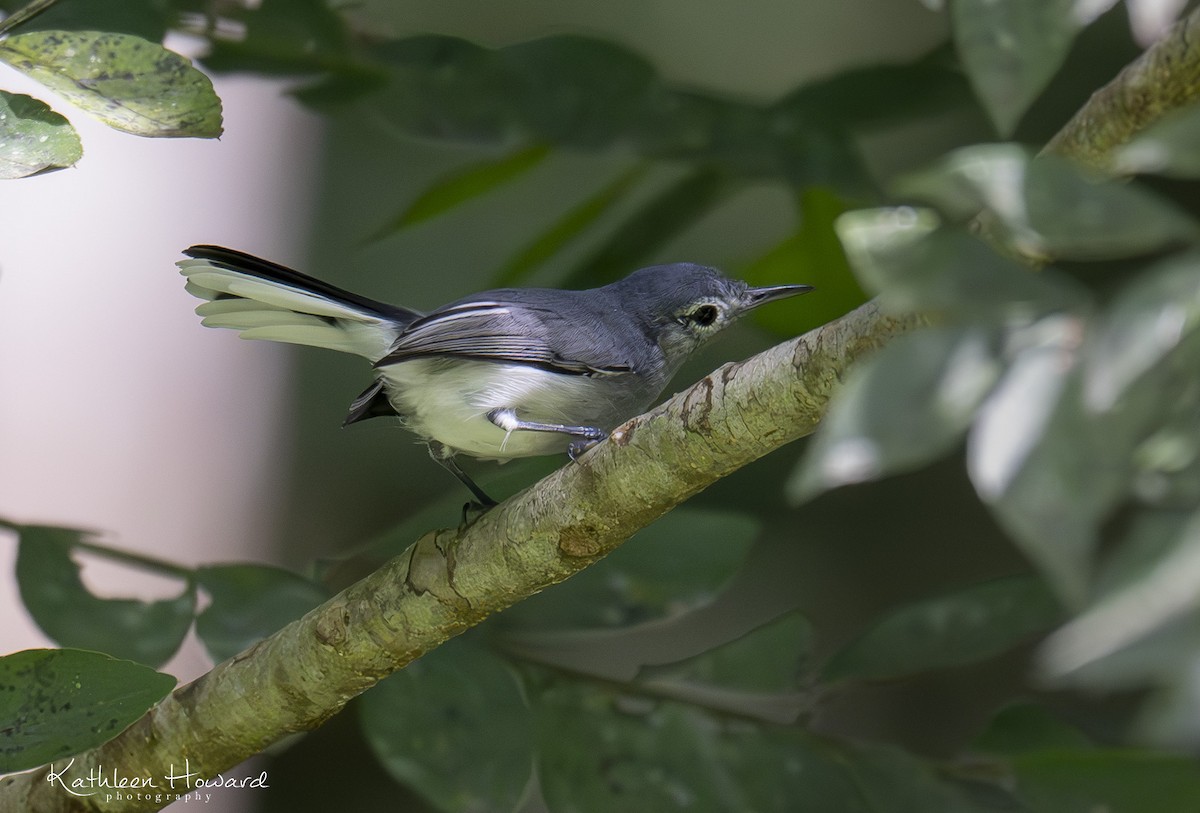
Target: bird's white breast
448 400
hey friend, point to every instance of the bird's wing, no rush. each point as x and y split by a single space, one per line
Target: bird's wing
498 331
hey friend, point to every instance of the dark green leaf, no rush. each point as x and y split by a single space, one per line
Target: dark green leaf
1049 207
568 227
54 594
822 154
880 95
665 757
465 184
675 564
680 125
1024 727
1171 147
812 255
454 727
1117 781
148 19
285 37
966 626
58 702
447 88
336 91
893 780
902 408
1011 49
767 659
577 90
126 82
652 226
33 138
661 757
1050 472
250 602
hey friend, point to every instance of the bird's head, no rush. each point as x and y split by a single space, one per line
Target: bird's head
684 305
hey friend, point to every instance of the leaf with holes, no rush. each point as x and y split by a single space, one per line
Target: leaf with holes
33 138
58 702
126 82
54 594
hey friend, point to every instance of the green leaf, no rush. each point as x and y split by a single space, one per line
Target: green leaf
1170 716
58 702
904 407
913 266
680 125
285 37
1148 648
658 221
1151 585
250 602
1049 207
1149 319
54 594
568 227
823 154
675 564
880 95
1078 216
148 19
463 185
766 659
454 727
124 81
1050 473
577 90
1011 49
969 180
1118 781
1170 147
812 255
661 757
1024 727
33 138
966 626
448 89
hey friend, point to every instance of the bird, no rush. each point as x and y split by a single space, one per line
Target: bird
496 375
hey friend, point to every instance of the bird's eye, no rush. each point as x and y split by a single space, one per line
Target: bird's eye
704 315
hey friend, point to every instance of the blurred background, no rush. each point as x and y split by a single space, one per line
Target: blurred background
121 414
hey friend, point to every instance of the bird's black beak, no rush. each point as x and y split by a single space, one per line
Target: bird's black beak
761 296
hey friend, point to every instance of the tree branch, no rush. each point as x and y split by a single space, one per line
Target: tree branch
1163 79
448 581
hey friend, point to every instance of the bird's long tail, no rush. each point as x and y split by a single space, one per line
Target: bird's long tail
263 300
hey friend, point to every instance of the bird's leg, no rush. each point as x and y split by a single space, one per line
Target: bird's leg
586 436
577 447
445 457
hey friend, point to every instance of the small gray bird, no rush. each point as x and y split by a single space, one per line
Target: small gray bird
514 372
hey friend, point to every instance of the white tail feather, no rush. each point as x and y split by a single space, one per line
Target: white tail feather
276 311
